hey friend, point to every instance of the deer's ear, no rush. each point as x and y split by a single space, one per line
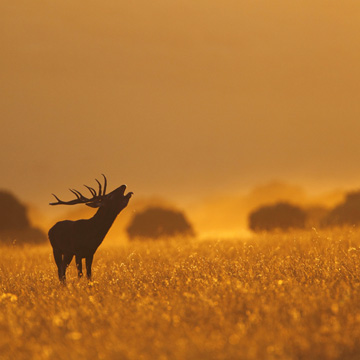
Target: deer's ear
96 204
93 205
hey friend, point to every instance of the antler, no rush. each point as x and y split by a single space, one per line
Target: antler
81 199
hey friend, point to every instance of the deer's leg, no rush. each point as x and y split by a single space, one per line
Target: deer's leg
89 260
58 260
78 260
65 263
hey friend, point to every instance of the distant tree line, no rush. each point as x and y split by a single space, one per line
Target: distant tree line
156 222
285 216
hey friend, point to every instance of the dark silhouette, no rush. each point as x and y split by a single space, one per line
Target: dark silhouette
346 213
82 237
14 222
281 216
156 222
13 213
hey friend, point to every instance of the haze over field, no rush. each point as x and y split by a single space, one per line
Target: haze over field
180 100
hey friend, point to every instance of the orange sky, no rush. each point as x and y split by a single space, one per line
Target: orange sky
179 99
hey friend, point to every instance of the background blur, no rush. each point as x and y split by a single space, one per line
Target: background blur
199 103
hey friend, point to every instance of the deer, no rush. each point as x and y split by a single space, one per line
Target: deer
81 238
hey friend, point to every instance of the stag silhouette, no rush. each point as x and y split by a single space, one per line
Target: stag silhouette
81 238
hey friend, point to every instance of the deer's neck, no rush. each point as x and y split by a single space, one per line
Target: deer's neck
102 221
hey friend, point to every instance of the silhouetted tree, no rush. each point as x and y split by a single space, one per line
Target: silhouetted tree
282 216
14 222
13 214
157 222
346 213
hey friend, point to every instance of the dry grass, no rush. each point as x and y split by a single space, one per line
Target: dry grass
274 297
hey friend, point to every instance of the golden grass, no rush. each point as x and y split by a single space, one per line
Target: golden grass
293 296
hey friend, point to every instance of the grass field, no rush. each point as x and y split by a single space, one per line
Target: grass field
294 296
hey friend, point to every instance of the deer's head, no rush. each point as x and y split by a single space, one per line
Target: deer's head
117 198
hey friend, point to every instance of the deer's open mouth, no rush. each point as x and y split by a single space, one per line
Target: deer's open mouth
122 189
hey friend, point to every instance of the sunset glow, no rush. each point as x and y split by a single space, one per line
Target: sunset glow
227 137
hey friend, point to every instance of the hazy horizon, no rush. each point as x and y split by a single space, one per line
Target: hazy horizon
215 215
